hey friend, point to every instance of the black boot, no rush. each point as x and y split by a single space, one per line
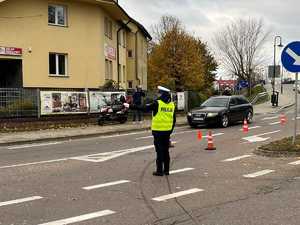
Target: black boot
160 174
159 169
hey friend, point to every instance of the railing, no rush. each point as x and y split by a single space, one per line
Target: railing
259 96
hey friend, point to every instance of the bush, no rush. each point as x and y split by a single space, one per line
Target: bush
19 108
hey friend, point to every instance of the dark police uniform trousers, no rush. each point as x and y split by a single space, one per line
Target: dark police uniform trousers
161 143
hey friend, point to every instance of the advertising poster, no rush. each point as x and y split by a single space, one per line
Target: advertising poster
61 102
99 99
180 100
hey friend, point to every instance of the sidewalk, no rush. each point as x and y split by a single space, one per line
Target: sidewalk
78 132
53 135
285 100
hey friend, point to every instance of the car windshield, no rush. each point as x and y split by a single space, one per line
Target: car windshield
216 102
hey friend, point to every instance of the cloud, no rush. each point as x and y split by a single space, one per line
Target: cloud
206 17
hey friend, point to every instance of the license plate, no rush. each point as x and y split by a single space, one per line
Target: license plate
200 119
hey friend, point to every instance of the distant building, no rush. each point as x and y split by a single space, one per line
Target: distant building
75 44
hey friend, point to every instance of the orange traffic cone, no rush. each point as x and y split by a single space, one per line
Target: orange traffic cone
199 135
210 143
282 119
245 126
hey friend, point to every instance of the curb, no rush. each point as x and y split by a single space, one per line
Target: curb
81 136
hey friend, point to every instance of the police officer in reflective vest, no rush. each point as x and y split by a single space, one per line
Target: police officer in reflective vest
163 122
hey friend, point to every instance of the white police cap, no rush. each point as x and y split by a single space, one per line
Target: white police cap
161 88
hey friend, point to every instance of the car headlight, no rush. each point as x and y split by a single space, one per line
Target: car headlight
212 114
189 114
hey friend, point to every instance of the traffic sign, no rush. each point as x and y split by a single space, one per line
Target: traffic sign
290 57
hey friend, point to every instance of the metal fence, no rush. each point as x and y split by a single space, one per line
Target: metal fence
18 102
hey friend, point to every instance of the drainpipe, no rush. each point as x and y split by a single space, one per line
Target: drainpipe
118 50
136 58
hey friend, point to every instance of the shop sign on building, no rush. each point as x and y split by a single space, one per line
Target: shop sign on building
109 52
11 51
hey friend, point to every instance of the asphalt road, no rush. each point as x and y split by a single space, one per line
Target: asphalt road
108 180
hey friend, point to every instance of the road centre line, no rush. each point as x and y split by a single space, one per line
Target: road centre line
22 200
181 170
80 218
34 163
251 128
259 173
294 163
135 133
34 145
270 118
191 131
151 136
106 184
274 123
103 157
177 194
236 158
121 135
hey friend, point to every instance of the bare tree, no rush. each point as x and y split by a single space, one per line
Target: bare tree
239 47
167 24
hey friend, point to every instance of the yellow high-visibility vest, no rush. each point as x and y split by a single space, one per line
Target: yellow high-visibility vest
163 120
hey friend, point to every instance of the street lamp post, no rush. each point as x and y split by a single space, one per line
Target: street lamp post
274 68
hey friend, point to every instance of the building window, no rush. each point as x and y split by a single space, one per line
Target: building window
130 54
57 15
108 69
129 84
57 64
108 27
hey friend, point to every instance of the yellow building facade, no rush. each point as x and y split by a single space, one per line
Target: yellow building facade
70 44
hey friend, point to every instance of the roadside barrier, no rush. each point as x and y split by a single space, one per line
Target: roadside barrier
210 143
245 126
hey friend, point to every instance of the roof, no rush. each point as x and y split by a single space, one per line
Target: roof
114 8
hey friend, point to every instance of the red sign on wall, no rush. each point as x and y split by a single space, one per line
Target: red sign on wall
109 52
10 51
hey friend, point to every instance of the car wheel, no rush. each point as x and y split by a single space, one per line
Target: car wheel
224 121
249 117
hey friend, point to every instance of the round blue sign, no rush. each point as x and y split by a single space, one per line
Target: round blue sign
290 57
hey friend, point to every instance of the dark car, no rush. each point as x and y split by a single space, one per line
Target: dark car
221 110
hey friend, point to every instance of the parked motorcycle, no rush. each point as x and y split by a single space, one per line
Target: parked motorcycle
115 112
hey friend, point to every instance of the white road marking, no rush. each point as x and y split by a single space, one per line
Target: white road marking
270 118
257 138
253 139
272 132
17 201
33 163
121 135
298 118
34 145
99 157
183 132
106 184
237 158
181 170
80 218
251 128
102 157
295 163
259 173
177 194
274 123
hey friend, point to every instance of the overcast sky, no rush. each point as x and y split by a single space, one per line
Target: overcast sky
205 17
